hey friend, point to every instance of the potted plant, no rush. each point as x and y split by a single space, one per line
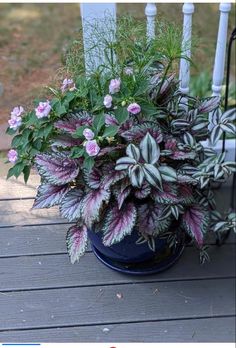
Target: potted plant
120 152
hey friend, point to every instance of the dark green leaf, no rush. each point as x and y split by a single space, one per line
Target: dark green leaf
110 131
99 121
121 114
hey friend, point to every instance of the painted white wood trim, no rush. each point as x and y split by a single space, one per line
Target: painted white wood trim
184 70
96 12
150 12
219 64
229 148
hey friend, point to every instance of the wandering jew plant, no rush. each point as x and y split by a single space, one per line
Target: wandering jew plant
122 148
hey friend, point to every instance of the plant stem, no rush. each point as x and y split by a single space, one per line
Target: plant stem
165 74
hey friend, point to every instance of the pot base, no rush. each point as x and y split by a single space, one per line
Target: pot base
160 262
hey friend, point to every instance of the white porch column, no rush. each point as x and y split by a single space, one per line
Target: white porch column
104 15
184 71
150 12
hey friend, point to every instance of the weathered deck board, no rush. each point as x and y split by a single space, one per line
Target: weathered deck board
45 298
100 304
191 330
46 239
55 271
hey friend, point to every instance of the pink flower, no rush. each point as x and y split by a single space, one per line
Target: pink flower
15 122
67 84
88 134
12 156
107 101
134 108
114 86
92 148
17 111
128 70
43 109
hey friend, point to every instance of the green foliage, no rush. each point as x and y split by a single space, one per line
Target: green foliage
138 159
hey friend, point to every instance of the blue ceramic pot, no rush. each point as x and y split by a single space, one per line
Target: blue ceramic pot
127 250
128 257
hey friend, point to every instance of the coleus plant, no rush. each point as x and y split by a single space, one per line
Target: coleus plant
122 149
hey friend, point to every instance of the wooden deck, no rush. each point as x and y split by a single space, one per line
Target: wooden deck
43 298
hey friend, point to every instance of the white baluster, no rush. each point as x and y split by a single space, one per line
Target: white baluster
184 71
219 64
150 12
104 15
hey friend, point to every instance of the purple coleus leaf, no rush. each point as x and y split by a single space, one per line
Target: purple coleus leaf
56 168
171 144
65 140
76 241
138 132
112 178
185 194
49 195
71 204
92 204
169 195
173 194
196 221
127 125
110 149
142 192
70 123
119 223
122 191
148 218
93 178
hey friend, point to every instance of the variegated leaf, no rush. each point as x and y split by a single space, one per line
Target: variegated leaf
209 104
112 178
133 152
152 175
124 192
138 132
168 173
150 149
92 178
136 175
169 194
124 163
64 140
76 241
148 219
195 221
216 133
143 192
70 206
91 205
56 168
73 121
119 223
49 195
229 115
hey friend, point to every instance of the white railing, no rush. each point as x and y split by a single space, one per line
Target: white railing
98 10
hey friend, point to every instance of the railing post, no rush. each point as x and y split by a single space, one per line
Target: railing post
104 15
219 64
150 12
184 71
